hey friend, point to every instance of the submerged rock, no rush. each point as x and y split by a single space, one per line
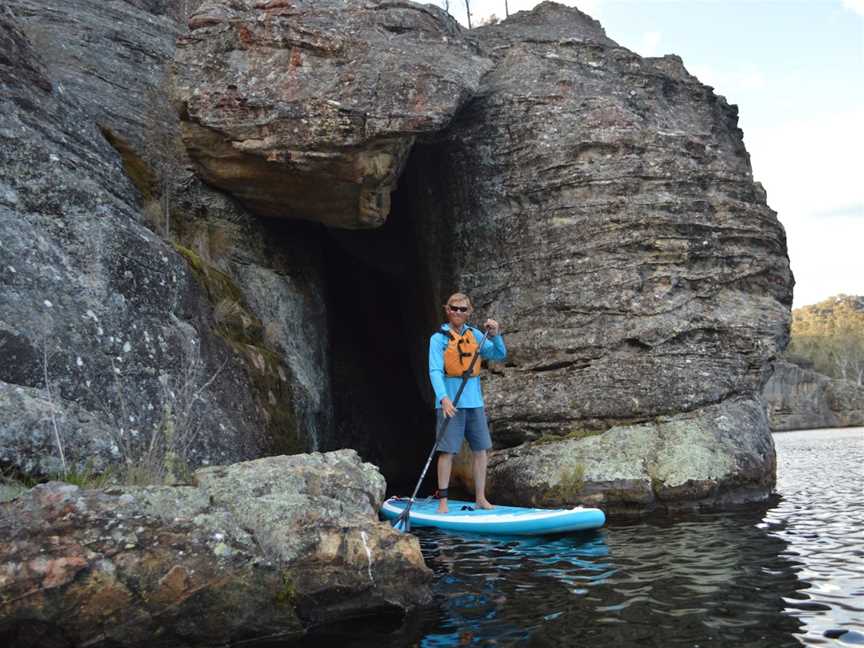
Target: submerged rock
259 549
803 399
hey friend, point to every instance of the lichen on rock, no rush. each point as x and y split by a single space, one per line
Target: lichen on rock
715 457
260 549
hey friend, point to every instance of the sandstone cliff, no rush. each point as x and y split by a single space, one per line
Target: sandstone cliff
803 399
108 332
599 204
615 223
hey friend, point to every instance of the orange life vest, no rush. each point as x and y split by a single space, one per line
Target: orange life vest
459 352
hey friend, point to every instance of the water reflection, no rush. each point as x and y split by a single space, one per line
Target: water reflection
482 581
820 474
715 581
788 575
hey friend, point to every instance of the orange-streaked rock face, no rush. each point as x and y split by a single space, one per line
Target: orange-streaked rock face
252 550
309 109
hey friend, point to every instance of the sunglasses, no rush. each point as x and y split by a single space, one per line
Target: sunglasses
458 309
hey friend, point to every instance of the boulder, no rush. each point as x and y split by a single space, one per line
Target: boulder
309 109
803 399
267 548
714 457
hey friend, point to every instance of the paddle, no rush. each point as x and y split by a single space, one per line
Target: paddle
402 523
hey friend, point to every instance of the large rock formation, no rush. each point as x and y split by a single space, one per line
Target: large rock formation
97 315
226 327
308 109
267 548
600 204
803 399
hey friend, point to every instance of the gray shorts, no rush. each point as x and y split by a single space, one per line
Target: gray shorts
469 423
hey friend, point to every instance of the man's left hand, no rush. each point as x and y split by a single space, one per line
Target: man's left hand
493 328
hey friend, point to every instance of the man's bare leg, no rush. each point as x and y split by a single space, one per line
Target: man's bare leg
445 463
480 480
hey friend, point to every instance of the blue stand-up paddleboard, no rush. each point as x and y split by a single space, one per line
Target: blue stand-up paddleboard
501 520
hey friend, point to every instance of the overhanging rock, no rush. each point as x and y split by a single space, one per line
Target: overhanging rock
309 109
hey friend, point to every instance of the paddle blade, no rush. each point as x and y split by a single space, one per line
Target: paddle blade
402 523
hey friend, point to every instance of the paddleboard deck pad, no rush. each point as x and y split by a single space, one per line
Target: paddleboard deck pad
501 520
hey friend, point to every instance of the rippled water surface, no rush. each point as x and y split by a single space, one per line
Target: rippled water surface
789 575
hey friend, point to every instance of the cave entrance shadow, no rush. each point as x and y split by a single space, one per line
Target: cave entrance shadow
383 286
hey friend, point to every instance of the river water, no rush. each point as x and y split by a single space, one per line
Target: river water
787 575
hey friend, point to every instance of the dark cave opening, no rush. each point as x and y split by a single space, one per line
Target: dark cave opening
383 289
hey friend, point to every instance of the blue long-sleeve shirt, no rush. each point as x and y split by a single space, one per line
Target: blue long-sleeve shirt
472 395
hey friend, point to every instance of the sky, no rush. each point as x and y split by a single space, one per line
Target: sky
795 69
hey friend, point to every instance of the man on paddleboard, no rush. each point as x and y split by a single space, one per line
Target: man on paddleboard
451 349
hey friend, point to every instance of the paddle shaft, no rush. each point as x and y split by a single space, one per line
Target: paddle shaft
465 376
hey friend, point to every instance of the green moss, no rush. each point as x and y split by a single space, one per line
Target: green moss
244 332
234 322
218 285
569 486
136 168
287 595
274 395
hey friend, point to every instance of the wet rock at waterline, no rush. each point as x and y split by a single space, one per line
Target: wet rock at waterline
802 399
256 549
713 457
309 109
603 207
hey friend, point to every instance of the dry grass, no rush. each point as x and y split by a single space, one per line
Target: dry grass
153 217
228 312
161 455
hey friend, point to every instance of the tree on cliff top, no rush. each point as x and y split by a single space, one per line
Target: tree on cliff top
830 336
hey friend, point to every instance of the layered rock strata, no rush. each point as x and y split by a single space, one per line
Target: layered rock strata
803 399
308 109
261 549
603 206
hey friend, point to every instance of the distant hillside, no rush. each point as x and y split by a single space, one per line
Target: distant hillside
829 337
